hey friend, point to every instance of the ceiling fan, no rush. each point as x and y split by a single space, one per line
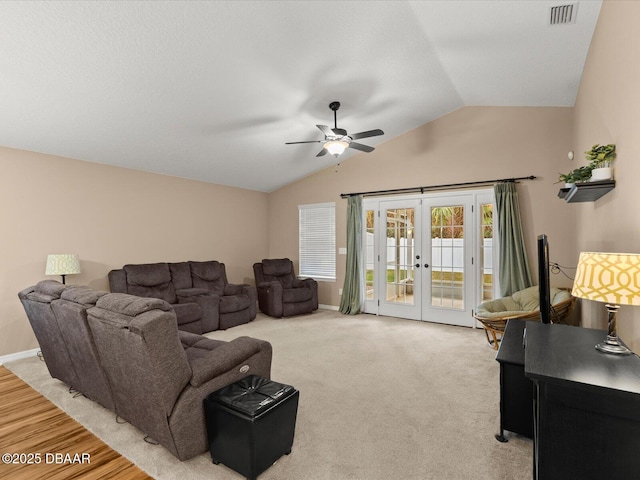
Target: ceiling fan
336 140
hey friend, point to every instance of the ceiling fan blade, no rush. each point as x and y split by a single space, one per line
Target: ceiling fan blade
310 141
326 130
361 147
368 133
322 152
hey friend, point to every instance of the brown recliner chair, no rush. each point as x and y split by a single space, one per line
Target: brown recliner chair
160 376
280 292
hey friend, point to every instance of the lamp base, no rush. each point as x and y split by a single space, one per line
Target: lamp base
612 343
616 349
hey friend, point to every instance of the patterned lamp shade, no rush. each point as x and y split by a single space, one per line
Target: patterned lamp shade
608 277
62 264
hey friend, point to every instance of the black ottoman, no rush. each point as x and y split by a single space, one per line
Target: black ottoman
251 424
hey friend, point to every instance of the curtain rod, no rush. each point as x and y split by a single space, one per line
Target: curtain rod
435 187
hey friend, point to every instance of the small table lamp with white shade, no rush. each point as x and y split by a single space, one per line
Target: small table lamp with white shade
612 278
62 264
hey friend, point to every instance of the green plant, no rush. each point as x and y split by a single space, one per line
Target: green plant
580 174
566 178
601 155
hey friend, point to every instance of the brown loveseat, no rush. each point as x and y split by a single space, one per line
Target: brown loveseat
280 292
127 353
199 293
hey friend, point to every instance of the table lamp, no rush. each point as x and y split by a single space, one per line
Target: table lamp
612 278
62 264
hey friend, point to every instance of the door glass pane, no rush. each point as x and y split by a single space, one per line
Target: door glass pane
370 259
447 257
486 252
399 255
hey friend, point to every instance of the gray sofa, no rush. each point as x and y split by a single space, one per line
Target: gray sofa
58 317
36 301
199 293
71 315
127 353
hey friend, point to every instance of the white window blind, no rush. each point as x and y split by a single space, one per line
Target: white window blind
317 233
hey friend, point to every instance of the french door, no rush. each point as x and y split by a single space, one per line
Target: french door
399 269
426 256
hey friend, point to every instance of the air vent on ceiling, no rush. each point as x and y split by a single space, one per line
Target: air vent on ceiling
563 14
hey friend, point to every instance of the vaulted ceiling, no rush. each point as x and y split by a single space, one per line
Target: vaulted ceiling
212 90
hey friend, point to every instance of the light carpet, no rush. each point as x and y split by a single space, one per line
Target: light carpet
380 398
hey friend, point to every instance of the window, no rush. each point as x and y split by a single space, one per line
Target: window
486 250
317 234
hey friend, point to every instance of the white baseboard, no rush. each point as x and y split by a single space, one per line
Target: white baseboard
18 356
329 307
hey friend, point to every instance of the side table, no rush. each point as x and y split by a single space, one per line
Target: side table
251 424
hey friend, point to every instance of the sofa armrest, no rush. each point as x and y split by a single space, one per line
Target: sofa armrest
266 285
303 282
210 305
270 298
311 284
224 358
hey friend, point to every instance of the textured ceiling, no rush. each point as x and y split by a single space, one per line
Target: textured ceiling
213 90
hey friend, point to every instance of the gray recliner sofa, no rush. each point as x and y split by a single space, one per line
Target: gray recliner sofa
36 301
70 311
199 293
160 376
58 317
126 353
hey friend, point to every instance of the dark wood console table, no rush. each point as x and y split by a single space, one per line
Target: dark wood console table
586 405
516 391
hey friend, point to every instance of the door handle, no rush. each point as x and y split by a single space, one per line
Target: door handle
417 265
426 265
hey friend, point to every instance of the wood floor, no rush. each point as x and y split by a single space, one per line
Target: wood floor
53 445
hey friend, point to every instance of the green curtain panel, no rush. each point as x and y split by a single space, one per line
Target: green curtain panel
514 274
350 301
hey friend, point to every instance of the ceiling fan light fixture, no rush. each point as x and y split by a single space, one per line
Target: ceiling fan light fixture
337 140
336 147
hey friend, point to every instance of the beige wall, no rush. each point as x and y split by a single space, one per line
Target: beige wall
607 110
470 144
122 216
492 142
111 216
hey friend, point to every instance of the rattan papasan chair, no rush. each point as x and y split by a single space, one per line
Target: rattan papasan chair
523 305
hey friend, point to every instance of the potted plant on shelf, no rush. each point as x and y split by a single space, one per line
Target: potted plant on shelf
601 158
567 178
580 174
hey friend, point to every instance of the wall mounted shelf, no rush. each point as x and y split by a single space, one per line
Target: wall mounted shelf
586 191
